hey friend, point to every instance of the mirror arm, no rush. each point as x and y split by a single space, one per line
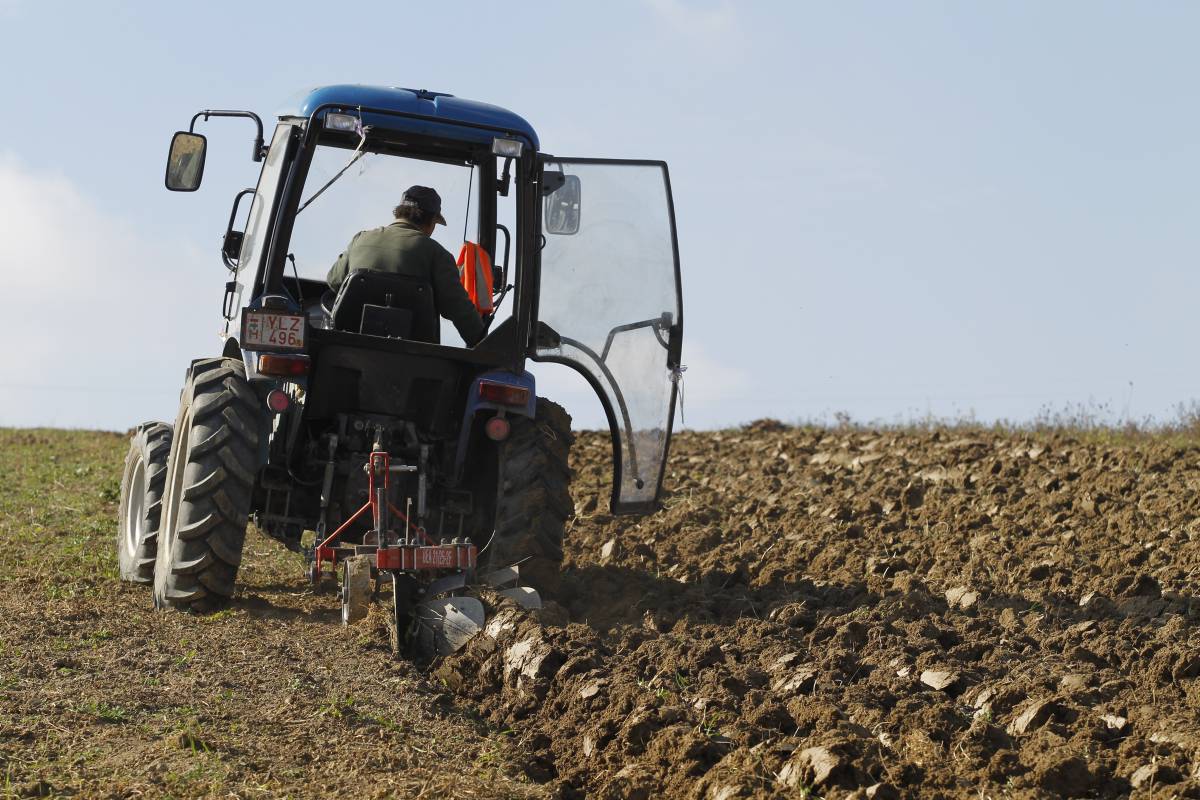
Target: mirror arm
502 290
502 188
260 149
507 245
552 182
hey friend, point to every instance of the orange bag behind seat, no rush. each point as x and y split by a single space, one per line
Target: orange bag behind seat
475 272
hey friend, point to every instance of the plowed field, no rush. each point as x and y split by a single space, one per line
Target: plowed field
953 613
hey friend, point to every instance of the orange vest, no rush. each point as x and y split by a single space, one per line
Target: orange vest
475 272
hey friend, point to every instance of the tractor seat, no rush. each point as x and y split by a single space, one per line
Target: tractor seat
386 304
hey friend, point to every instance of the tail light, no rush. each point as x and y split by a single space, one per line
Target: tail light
503 394
281 366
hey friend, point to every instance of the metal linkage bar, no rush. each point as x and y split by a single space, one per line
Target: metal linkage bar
379 469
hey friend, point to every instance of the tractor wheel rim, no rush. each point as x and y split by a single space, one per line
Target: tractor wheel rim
345 593
173 491
136 512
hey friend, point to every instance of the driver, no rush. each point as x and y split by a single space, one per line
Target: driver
405 247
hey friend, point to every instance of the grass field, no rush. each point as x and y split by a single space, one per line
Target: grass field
101 696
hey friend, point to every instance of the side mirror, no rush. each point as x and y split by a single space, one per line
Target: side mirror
185 162
231 247
561 215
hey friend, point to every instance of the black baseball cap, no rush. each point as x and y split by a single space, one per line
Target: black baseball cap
426 199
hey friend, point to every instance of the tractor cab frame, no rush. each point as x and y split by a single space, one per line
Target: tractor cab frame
592 266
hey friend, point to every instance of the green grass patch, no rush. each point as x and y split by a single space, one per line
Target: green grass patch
59 492
104 711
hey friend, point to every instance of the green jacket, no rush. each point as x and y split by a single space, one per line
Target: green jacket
405 249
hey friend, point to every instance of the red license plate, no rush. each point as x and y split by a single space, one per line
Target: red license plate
437 557
271 330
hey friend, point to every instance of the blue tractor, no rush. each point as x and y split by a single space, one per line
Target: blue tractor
423 469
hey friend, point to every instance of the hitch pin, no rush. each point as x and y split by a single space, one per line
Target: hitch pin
393 468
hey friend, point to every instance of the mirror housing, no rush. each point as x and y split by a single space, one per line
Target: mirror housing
231 247
562 210
185 161
231 244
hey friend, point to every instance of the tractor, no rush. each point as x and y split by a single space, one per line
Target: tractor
340 423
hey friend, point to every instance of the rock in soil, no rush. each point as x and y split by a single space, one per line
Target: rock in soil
939 679
812 767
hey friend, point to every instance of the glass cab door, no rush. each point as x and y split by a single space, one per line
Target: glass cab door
609 305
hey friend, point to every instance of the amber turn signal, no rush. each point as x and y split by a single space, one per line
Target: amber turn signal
281 366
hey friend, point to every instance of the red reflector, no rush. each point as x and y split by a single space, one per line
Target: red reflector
278 401
283 366
503 394
497 429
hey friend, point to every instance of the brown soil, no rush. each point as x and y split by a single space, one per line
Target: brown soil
867 614
815 612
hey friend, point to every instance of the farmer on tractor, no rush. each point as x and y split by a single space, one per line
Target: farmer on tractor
405 248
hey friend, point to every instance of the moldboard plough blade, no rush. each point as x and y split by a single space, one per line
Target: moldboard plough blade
505 581
525 596
505 576
444 624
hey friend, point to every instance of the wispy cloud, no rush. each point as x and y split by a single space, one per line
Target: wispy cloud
107 316
704 21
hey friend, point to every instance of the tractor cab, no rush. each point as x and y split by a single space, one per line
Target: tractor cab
343 405
572 261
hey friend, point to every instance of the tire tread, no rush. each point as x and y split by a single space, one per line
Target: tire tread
150 443
533 501
214 509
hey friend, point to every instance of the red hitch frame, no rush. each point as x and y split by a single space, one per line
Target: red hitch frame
406 555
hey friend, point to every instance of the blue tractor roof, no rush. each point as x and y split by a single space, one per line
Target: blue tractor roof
435 106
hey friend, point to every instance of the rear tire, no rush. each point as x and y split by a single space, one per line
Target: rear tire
210 478
533 498
142 485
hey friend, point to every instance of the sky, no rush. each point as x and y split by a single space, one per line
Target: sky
887 210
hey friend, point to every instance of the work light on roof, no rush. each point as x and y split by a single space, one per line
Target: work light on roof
341 122
508 148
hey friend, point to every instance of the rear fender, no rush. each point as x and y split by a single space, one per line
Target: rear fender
521 379
263 417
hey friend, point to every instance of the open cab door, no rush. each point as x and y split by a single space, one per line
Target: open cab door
609 305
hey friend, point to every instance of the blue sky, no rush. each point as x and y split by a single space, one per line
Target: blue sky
885 209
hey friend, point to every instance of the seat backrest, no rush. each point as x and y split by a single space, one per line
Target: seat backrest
368 287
